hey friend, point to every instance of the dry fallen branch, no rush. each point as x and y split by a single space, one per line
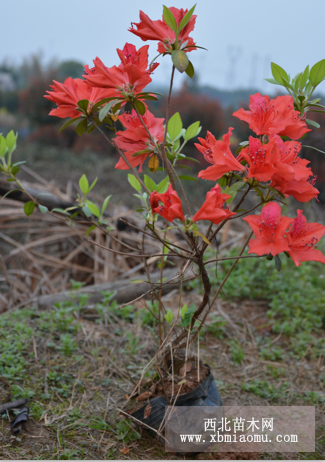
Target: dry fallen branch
124 291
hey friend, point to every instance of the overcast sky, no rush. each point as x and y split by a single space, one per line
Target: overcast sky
242 36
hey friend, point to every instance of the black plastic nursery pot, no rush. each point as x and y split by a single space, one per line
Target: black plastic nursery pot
205 394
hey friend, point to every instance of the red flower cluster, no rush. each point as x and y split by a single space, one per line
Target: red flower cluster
67 95
273 235
147 29
273 117
275 161
135 138
168 205
130 77
215 208
278 162
218 153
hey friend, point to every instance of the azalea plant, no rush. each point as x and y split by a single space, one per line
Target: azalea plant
268 166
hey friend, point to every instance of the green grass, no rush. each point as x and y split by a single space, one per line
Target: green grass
296 296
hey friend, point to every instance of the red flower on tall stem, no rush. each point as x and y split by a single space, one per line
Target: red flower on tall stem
66 95
128 79
302 238
168 205
218 153
215 207
273 116
147 29
135 138
292 177
269 229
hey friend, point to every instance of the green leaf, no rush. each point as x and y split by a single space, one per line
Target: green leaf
163 185
82 127
43 209
192 131
297 82
235 187
183 310
15 170
278 263
312 122
140 107
140 153
222 181
187 177
29 208
3 146
93 184
169 316
169 18
59 210
83 104
195 231
180 60
273 81
94 209
84 185
187 317
86 211
137 281
11 139
104 110
134 182
175 126
150 97
304 78
279 74
308 88
151 185
186 18
190 69
101 102
192 159
71 121
89 230
317 73
105 203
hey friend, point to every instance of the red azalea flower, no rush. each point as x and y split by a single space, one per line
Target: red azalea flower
215 208
130 77
302 238
269 229
293 176
273 116
171 206
135 138
66 95
147 29
261 159
218 153
302 190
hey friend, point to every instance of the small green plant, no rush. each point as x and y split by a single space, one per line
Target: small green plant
266 389
217 326
237 353
272 353
126 432
276 372
68 345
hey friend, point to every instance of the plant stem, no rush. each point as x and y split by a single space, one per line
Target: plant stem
231 268
135 173
163 151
